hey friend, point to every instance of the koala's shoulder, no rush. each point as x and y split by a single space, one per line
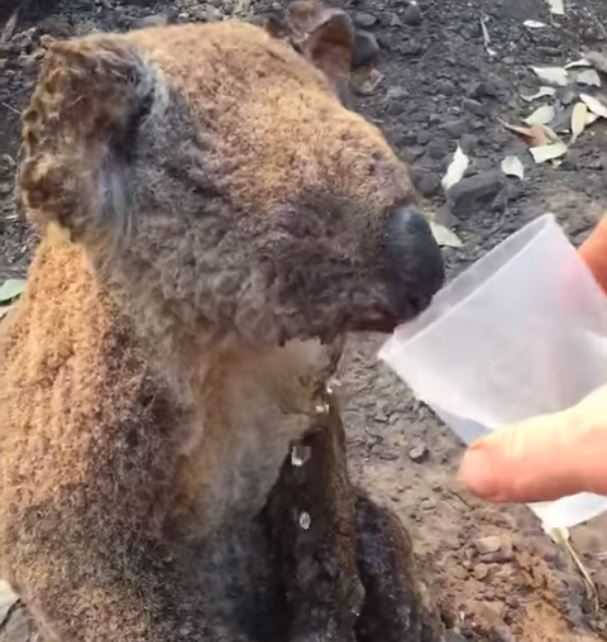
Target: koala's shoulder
59 344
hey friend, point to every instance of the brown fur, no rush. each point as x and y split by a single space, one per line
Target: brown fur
212 224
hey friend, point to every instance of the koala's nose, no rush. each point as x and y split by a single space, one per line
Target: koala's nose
412 256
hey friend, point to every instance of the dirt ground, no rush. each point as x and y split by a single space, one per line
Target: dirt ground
494 574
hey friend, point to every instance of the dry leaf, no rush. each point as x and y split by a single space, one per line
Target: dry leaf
512 166
7 599
582 62
552 75
535 135
548 134
534 24
545 153
486 37
4 310
556 7
540 93
578 120
541 116
598 60
11 289
444 236
594 105
591 118
456 170
588 77
9 27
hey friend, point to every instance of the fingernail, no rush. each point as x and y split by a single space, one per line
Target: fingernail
476 474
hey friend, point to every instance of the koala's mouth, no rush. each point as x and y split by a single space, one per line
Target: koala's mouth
385 318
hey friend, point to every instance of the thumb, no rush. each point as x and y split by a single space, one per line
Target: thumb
543 458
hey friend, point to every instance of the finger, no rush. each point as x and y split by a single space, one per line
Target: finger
594 252
538 460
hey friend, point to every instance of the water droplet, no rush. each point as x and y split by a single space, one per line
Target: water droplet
305 521
322 409
300 455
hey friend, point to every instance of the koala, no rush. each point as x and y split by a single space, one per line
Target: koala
213 222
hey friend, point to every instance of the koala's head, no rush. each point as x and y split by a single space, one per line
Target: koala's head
215 167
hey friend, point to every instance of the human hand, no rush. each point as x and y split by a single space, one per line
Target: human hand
550 456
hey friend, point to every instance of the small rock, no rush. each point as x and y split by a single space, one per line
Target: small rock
426 182
411 48
155 20
474 107
413 14
385 42
364 19
418 453
205 14
388 455
600 581
397 93
476 192
591 35
490 544
27 63
596 163
501 556
424 137
413 153
427 504
446 88
406 138
468 143
381 416
489 88
444 216
57 26
396 107
438 148
367 85
455 128
490 594
568 97
459 573
366 49
480 571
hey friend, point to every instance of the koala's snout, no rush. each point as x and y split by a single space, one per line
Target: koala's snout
413 261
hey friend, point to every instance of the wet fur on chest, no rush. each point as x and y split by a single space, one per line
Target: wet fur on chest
253 404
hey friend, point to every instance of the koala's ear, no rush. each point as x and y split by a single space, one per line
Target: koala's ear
324 36
79 132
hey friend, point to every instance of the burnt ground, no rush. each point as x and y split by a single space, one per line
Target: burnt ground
492 571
